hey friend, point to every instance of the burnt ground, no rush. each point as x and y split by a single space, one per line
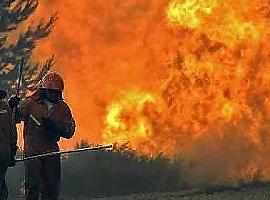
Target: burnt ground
260 193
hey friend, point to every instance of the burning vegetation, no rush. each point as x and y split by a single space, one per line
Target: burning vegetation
188 78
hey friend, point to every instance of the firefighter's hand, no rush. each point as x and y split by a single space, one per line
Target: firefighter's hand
48 124
13 102
51 127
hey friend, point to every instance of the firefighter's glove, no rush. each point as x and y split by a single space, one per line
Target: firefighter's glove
50 126
13 102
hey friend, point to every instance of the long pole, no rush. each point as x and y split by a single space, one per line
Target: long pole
45 155
21 65
13 114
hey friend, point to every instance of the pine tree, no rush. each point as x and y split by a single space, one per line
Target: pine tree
12 14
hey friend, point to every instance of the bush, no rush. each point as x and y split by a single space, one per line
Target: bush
121 171
106 173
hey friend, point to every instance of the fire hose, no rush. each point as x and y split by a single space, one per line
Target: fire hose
50 154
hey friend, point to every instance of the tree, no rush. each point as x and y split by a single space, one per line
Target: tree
12 14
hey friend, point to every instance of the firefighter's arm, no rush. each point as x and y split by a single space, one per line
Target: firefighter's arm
64 128
67 125
67 128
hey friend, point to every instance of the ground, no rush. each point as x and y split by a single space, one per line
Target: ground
262 193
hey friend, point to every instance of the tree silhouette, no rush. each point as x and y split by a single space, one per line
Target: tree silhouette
12 14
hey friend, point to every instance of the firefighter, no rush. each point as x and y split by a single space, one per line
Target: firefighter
8 143
46 118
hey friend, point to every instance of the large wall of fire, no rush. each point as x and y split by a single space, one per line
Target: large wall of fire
183 77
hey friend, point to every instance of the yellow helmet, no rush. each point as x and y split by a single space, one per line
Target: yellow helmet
52 81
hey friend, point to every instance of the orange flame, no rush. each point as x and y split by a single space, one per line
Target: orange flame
200 69
126 120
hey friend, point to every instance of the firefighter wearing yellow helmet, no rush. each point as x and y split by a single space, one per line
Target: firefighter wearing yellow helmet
46 118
